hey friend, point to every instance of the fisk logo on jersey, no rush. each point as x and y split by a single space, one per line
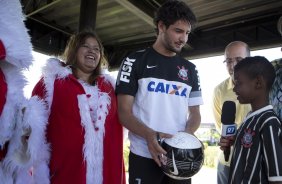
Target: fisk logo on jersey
173 89
126 70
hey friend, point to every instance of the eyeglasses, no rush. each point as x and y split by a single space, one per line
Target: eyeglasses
230 61
96 49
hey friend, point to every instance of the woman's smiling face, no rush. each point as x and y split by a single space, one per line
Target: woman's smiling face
88 55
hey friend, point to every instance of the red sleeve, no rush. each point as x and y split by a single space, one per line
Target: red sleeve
2 51
3 94
3 91
39 89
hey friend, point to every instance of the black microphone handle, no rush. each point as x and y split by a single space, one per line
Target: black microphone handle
227 153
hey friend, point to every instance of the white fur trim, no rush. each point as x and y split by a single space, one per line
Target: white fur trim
34 153
13 34
53 70
23 177
110 79
35 118
93 146
13 122
5 176
15 82
39 174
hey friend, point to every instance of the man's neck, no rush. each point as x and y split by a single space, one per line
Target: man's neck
162 50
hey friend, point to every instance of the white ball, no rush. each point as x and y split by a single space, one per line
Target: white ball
183 140
184 156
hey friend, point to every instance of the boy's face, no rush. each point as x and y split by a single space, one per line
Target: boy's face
244 87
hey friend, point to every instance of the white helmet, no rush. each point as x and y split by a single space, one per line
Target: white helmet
184 156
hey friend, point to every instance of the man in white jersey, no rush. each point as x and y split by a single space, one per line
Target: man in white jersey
159 94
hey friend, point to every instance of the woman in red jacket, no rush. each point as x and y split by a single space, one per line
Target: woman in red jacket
85 136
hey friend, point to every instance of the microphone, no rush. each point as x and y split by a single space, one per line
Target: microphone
228 123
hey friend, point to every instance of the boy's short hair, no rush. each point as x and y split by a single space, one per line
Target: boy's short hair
172 11
257 66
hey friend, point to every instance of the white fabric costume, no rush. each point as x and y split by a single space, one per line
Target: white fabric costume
24 151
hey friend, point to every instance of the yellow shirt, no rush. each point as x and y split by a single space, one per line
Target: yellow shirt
224 92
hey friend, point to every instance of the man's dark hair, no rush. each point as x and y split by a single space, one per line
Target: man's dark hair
257 66
172 11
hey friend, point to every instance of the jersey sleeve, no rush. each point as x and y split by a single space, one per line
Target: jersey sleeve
195 97
127 79
272 148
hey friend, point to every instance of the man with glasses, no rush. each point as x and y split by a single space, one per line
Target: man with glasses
234 53
275 94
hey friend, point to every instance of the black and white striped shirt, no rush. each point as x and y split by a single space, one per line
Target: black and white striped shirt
257 156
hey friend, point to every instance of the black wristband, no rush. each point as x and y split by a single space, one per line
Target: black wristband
159 138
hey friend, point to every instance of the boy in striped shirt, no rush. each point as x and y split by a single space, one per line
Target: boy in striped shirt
257 156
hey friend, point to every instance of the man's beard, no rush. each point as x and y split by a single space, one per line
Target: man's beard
172 49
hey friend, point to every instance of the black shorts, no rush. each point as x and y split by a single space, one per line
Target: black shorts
145 171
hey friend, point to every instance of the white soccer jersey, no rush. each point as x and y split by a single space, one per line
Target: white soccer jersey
163 87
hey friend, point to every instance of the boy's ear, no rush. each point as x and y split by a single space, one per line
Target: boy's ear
260 83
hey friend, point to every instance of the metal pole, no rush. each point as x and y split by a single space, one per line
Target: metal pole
88 12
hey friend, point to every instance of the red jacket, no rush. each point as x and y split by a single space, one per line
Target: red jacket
70 137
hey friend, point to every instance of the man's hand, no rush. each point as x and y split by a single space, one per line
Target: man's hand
154 147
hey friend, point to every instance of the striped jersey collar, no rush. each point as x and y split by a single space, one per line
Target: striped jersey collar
251 114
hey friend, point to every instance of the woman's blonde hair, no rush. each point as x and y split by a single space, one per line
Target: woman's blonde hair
70 53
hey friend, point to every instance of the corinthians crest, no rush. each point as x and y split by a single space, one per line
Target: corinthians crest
183 73
247 139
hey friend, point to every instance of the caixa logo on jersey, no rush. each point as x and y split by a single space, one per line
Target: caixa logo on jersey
172 89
